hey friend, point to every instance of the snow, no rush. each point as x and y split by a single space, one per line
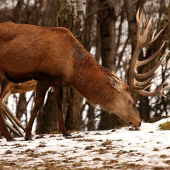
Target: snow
146 148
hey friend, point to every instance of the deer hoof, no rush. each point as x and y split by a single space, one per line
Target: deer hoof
68 135
28 139
10 140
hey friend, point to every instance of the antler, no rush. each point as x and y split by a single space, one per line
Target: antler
136 83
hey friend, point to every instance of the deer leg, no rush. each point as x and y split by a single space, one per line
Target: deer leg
4 85
58 98
41 89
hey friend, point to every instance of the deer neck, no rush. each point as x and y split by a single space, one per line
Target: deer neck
91 80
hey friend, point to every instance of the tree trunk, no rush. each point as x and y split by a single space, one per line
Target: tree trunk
73 111
144 109
88 43
107 33
17 11
110 121
90 115
88 25
47 117
106 18
0 134
21 106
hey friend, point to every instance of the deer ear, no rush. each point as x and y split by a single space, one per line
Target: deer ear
116 83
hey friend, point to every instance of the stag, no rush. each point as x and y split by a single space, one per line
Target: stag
54 58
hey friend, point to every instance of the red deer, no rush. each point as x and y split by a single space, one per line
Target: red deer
53 57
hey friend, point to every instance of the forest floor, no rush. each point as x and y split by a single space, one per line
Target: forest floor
125 149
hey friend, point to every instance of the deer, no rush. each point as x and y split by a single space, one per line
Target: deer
53 57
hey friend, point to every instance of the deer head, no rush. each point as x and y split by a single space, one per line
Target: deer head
124 105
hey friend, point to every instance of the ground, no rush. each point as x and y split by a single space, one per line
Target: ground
147 148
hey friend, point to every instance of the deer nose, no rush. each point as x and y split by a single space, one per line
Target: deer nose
140 124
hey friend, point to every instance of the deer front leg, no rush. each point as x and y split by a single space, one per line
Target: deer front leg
41 89
58 98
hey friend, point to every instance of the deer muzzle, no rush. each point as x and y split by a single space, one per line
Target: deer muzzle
135 124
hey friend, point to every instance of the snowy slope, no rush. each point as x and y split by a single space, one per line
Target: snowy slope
148 148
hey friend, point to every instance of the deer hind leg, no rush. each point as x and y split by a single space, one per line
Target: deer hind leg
4 88
41 89
58 98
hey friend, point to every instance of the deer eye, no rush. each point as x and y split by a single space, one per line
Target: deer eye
130 101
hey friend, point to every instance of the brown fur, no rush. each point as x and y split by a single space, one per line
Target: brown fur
53 57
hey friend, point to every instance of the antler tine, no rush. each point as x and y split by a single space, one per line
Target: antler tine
146 30
165 88
161 91
158 91
149 73
142 41
152 28
149 85
140 63
139 17
143 35
145 83
154 37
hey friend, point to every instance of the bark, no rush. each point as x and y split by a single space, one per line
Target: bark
21 106
89 25
1 134
131 18
110 121
17 11
73 111
90 115
144 108
107 33
89 39
106 19
47 118
47 14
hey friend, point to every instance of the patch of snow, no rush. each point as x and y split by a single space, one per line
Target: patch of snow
144 149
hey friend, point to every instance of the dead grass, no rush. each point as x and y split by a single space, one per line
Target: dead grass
48 165
165 126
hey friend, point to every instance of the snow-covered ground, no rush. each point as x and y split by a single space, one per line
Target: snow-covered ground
148 148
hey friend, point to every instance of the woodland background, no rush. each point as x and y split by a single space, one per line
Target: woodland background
107 28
